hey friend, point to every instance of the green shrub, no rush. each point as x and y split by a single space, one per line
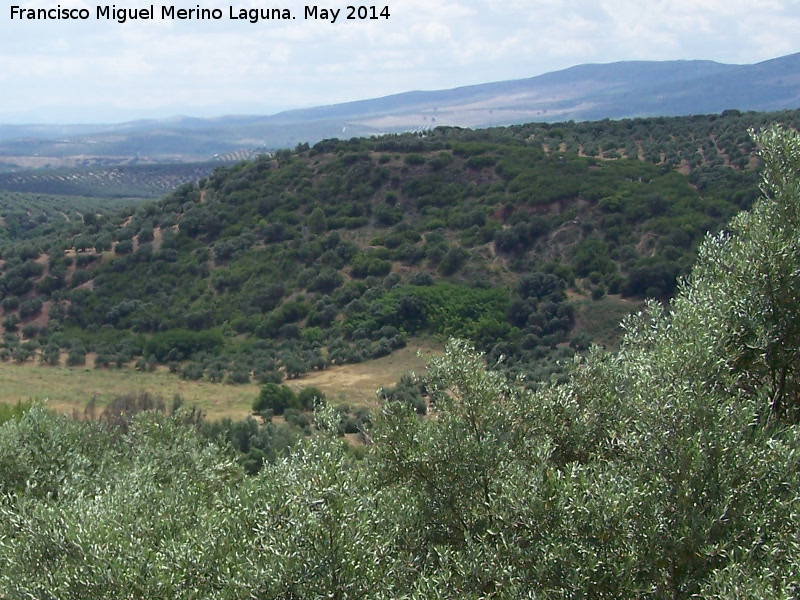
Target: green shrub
414 159
276 399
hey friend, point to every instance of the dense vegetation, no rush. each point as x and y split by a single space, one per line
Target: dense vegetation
35 215
665 470
340 252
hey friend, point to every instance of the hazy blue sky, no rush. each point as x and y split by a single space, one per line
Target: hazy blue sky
103 71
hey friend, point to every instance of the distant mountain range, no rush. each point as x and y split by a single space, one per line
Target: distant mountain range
585 92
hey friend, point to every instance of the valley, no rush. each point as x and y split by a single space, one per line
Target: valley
601 319
416 301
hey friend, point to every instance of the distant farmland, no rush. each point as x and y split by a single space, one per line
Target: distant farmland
138 181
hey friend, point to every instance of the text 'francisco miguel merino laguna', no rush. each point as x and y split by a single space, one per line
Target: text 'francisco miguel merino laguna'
253 15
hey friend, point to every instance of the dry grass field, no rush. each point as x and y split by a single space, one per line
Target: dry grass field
69 389
356 384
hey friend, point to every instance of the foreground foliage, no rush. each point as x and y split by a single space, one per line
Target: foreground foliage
666 470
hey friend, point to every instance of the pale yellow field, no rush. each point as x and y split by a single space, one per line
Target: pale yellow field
356 384
69 389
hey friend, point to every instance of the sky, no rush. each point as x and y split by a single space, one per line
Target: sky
103 71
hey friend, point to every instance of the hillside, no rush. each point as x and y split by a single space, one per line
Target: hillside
34 215
343 252
667 470
584 92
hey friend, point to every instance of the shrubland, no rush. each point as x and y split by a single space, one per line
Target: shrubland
342 252
666 469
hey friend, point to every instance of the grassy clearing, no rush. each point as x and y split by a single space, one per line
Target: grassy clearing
69 389
356 384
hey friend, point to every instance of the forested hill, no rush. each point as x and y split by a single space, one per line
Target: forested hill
338 253
667 470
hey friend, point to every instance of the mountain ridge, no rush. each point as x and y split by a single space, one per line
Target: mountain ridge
583 92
